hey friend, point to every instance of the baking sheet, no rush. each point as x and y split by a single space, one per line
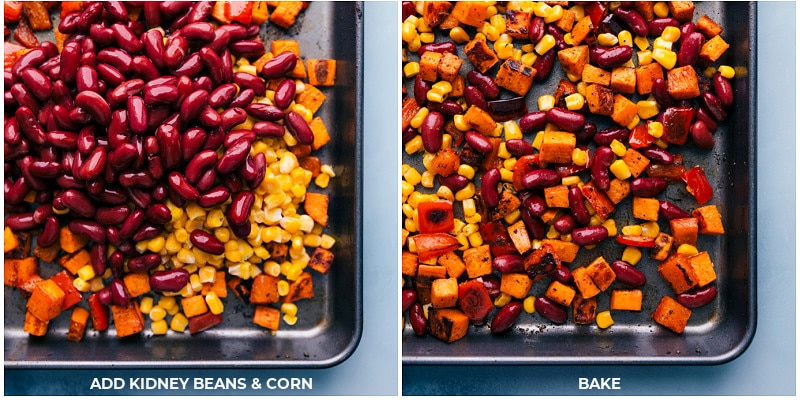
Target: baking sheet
329 325
716 333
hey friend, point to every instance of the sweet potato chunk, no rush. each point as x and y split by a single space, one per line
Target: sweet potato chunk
316 206
601 273
682 83
444 293
626 299
137 283
600 99
75 261
127 319
709 220
448 324
479 54
646 75
453 264
46 300
478 261
321 260
713 49
623 80
703 267
410 262
574 60
195 305
678 272
267 317
662 246
312 98
635 161
321 72
285 14
16 271
618 190
584 310
557 147
34 326
592 74
684 230
435 12
624 111
264 289
519 236
582 30
557 196
77 324
480 120
301 288
516 285
471 13
71 242
645 208
707 26
517 23
449 66
515 76
584 283
566 251
10 241
683 11
560 293
671 314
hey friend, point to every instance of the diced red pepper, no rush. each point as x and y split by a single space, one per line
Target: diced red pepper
239 11
201 322
636 240
697 184
70 6
676 121
12 11
542 262
431 245
524 165
72 296
99 313
435 216
595 10
474 299
495 234
640 137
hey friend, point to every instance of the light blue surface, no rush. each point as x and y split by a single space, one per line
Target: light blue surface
768 366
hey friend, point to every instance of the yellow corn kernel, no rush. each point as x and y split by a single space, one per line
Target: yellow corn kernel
635 121
283 287
459 35
511 130
156 244
607 39
647 109
499 22
469 207
666 58
443 87
537 140
709 72
578 11
498 129
435 97
661 43
604 319
81 284
687 250
446 193
513 216
214 303
327 241
631 255
322 180
86 273
447 141
474 219
574 101
541 9
555 14
528 304
620 169
595 220
172 245
546 43
157 313
145 305
568 38
641 42
413 176
470 228
661 9
466 171
502 151
178 323
611 226
528 47
289 308
618 148
466 193
632 230
290 319
462 240
579 156
194 211
571 180
655 129
671 34
167 302
186 256
194 280
460 123
552 233
580 87
419 117
502 299
409 31
181 235
475 239
159 327
427 37
650 229
207 274
625 38
528 59
546 102
726 71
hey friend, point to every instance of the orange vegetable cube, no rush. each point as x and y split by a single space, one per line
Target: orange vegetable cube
560 293
46 300
557 147
34 326
678 272
137 283
301 288
264 289
703 267
316 206
268 317
626 299
127 319
444 293
453 264
515 76
77 324
478 261
645 208
519 236
671 314
321 72
480 55
601 273
321 260
447 324
584 283
516 285
709 220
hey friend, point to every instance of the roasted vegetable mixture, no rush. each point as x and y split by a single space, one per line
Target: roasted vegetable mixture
160 158
534 134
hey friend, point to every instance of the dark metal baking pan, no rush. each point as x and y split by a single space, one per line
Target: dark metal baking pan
716 333
329 325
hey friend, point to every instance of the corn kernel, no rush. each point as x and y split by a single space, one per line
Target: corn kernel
474 219
207 274
513 216
462 240
568 39
466 171
86 273
641 42
545 44
159 327
541 9
413 176
631 255
528 47
511 130
528 59
546 102
528 304
179 322
289 308
611 227
427 37
327 241
555 14
647 109
574 101
283 287
618 148
322 180
726 71
502 151
635 121
632 230
502 299
443 87
571 180
655 129
445 193
167 302
604 319
625 38
709 72
156 244
459 35
81 284
214 303
580 87
290 319
620 169
650 229
661 9
466 193
666 58
671 34
607 39
475 239
552 233
157 313
687 250
537 140
409 31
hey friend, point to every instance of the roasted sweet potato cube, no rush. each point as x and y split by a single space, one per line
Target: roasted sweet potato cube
218 286
471 13
563 89
584 310
662 246
38 15
277 251
683 11
645 8
316 206
566 251
507 204
560 293
601 273
47 254
626 299
26 286
515 76
600 99
516 285
478 261
713 49
196 305
517 23
74 261
444 293
435 12
682 83
71 295
574 60
286 13
311 97
618 189
646 75
584 283
458 83
703 268
567 21
279 46
645 208
623 80
625 111
34 326
557 196
447 324
671 314
592 74
46 300
429 66
127 319
635 161
709 220
137 283
268 317
10 241
519 236
321 72
707 26
301 288
480 120
684 230
77 324
264 289
582 30
18 270
453 264
321 260
480 55
426 274
678 272
449 66
71 242
557 147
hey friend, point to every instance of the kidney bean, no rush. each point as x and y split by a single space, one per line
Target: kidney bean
158 214
417 319
116 58
536 30
544 65
564 224
31 59
233 157
112 215
657 155
181 187
535 204
38 83
144 262
589 235
236 31
533 121
248 48
300 129
567 120
235 135
50 231
659 91
139 179
171 280
702 114
95 105
284 93
23 97
701 136
214 197
198 31
441 47
614 56
235 116
206 242
119 293
175 51
409 297
199 11
238 211
122 92
21 221
126 39
647 186
254 170
714 106
698 297
191 66
146 232
689 51
723 89
122 156
478 142
214 138
508 263
279 65
192 142
421 88
455 182
506 317
86 79
266 112
193 104
551 310
489 190
90 229
670 211
160 94
91 14
656 26
601 161
474 97
78 202
627 274
519 147
562 274
540 178
488 88
633 20
222 95
45 169
45 210
169 145
132 223
98 253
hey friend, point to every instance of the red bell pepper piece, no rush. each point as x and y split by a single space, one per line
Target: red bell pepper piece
435 217
70 6
636 240
72 296
430 245
676 121
99 313
697 184
542 262
595 10
640 137
495 234
524 165
474 300
12 11
240 11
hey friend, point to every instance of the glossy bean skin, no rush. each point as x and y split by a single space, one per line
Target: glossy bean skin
279 66
214 197
627 274
544 65
478 142
508 263
119 293
431 131
158 214
238 211
589 235
562 274
21 222
657 155
564 224
660 93
474 97
647 186
206 242
455 182
96 105
409 298
606 136
634 20
567 120
78 202
489 190
126 39
266 112
178 183
421 88
536 30
698 297
484 83
112 215
701 136
441 47
505 317
171 280
417 319
299 128
689 51
670 211
533 121
233 157
614 56
577 206
284 93
540 179
601 161
92 230
144 262
50 232
714 106
535 205
657 25
551 310
37 82
723 89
